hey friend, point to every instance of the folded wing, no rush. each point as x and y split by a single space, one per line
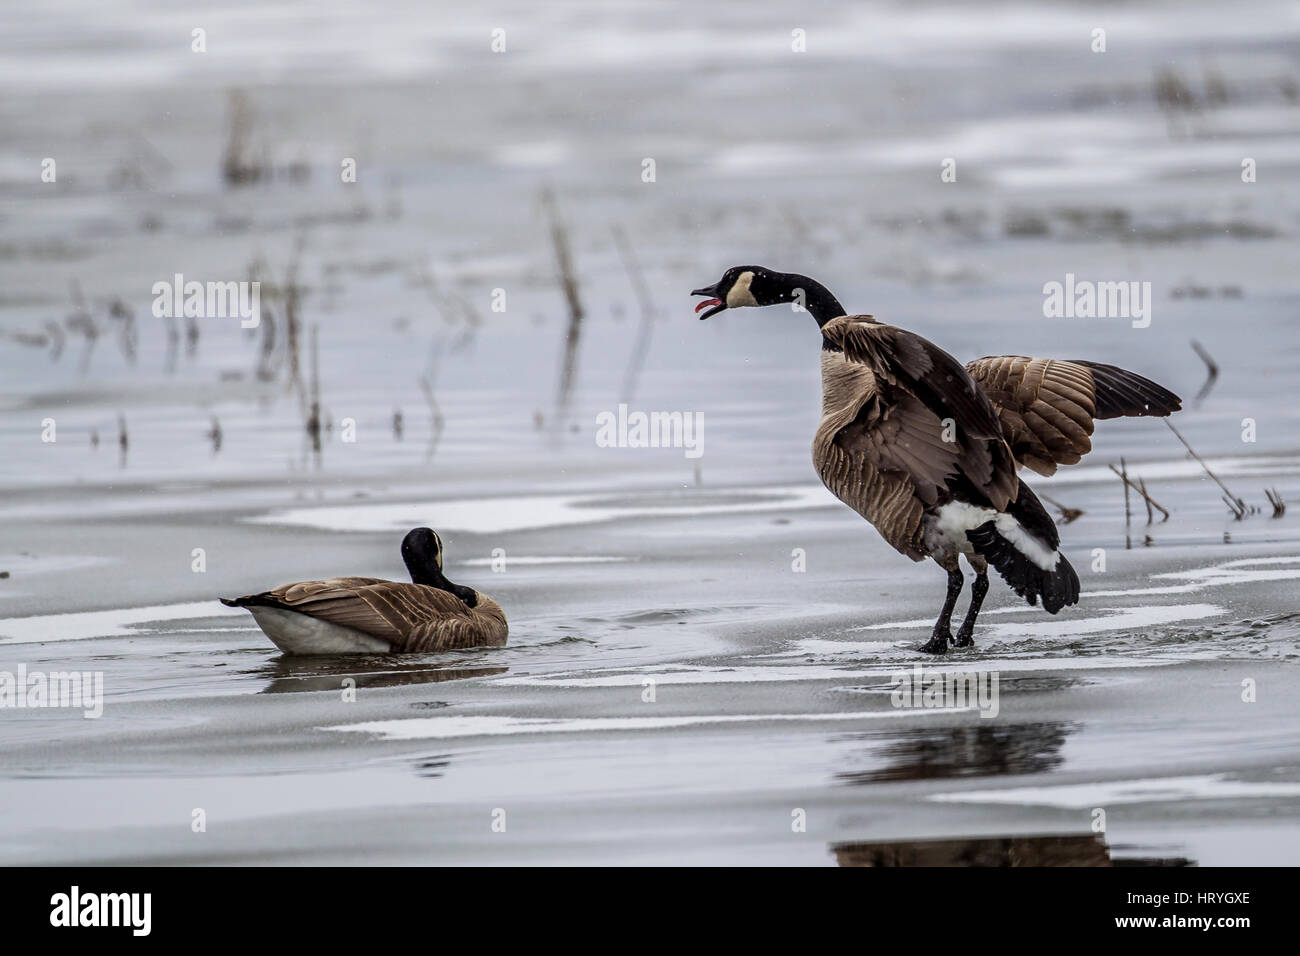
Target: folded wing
393 611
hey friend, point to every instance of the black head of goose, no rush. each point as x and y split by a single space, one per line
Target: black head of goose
742 286
356 615
927 449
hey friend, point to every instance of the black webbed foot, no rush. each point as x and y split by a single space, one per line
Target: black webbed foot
937 644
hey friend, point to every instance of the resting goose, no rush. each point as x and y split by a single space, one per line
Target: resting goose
927 450
374 616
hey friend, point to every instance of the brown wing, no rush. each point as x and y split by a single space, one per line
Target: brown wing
1048 406
852 445
484 626
927 418
393 611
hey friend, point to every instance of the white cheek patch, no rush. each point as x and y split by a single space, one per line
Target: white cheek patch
739 295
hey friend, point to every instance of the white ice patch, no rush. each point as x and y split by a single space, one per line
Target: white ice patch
1228 573
524 560
84 625
1136 619
1151 790
805 672
1112 619
1240 466
441 728
498 515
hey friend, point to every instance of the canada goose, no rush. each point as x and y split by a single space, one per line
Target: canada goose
374 616
927 450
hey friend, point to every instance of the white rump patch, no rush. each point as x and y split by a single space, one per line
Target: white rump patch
946 533
1026 543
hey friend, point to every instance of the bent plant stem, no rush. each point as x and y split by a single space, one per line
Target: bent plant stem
1141 490
1237 505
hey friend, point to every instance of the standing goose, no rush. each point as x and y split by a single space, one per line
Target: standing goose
374 616
927 450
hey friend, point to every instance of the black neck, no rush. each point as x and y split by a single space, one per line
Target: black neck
431 575
817 298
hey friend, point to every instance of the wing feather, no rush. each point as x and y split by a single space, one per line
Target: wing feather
1048 407
933 421
400 613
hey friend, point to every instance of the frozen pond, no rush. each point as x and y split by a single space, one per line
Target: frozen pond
674 689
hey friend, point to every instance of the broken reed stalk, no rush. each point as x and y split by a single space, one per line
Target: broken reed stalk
435 415
265 362
173 344
127 337
1212 368
1141 490
313 418
192 335
636 360
236 168
428 385
123 441
57 339
1237 505
1067 514
82 321
293 324
266 368
1275 499
1123 468
1238 508
569 283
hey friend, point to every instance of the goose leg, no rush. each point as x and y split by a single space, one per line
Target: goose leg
942 635
979 587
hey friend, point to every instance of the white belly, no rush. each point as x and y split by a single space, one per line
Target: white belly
296 633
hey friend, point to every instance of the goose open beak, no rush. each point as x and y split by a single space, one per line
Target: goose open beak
713 303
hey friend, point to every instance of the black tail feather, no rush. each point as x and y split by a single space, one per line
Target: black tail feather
251 600
1057 587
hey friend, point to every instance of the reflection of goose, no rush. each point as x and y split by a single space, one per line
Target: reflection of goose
290 678
373 616
1071 850
961 752
927 450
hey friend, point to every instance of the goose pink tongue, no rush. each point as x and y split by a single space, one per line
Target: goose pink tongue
707 304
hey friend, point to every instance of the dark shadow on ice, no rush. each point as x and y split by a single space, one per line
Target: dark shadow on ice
295 674
1050 850
982 750
433 766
